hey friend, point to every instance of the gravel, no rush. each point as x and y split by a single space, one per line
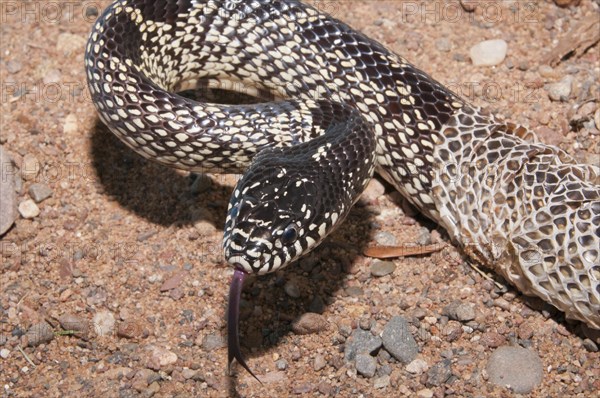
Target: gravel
518 368
459 311
561 90
309 323
439 373
417 366
213 342
28 209
398 341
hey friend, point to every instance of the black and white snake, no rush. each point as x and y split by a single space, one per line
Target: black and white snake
346 107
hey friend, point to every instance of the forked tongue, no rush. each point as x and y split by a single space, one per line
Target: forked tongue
233 320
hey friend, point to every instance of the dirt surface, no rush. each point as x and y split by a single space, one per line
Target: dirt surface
127 253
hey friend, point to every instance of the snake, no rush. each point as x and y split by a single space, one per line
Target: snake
333 108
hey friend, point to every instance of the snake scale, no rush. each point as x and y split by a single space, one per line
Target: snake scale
344 107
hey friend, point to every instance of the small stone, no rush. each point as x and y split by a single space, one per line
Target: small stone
425 393
70 125
13 66
417 366
525 331
319 362
354 291
439 373
384 238
492 339
488 52
361 342
91 11
129 329
104 323
567 3
188 373
281 364
398 341
291 289
39 333
373 191
309 323
4 353
8 195
381 382
590 345
382 268
366 365
424 237
443 44
317 305
172 282
28 209
160 357
517 368
213 342
40 192
75 323
30 167
560 91
459 311
469 5
53 76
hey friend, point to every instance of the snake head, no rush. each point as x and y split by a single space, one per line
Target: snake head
272 219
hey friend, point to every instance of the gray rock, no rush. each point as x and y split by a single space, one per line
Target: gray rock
317 305
281 364
398 341
385 239
488 52
361 342
517 368
13 66
382 268
8 196
382 382
443 44
459 311
560 91
424 237
319 363
366 365
439 373
212 342
40 192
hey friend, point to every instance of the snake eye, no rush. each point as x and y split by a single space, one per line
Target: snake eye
290 234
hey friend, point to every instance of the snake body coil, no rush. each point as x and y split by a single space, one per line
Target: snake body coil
346 106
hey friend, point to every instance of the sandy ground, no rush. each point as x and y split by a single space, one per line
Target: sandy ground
133 249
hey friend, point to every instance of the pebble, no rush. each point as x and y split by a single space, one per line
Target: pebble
424 237
417 366
469 5
443 44
398 341
4 353
560 91
361 342
104 323
281 364
212 342
382 268
160 357
425 393
30 167
384 238
319 362
567 3
129 329
13 66
492 339
8 195
73 322
354 291
515 367
201 184
291 289
70 125
590 345
488 52
39 333
381 382
366 365
40 192
172 282
52 76
459 311
309 323
373 191
439 373
28 209
317 305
